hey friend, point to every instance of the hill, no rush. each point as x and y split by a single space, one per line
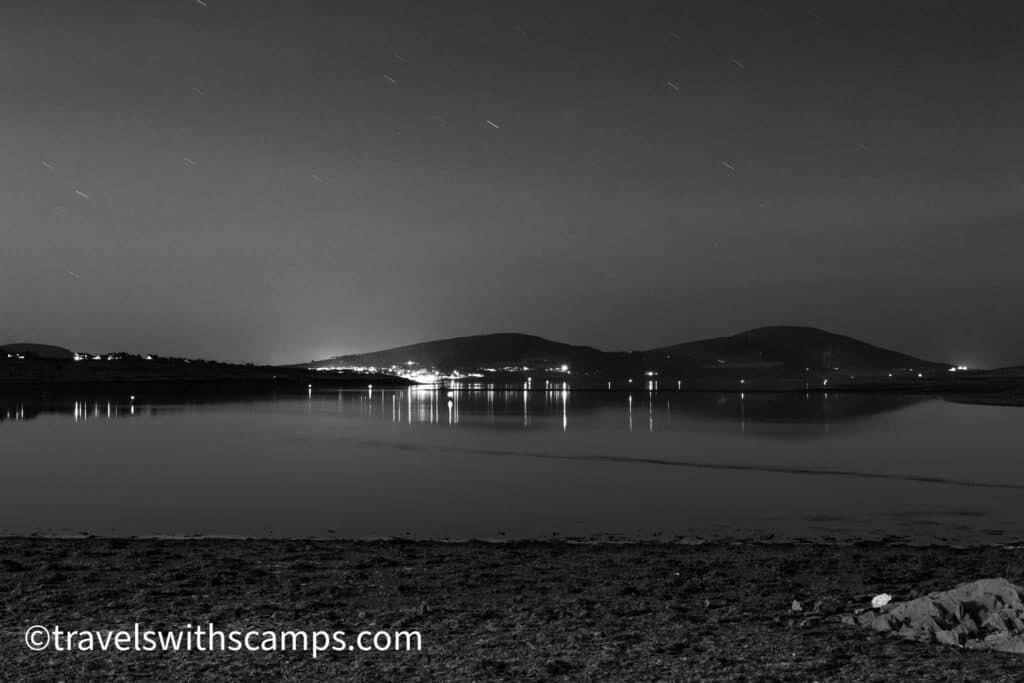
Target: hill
486 350
41 351
28 370
790 349
767 352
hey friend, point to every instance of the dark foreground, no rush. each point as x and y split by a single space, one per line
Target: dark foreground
516 611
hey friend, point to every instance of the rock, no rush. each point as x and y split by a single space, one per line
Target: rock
1000 642
955 636
827 606
874 621
881 600
796 607
985 614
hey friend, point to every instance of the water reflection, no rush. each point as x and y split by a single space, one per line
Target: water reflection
556 406
314 459
84 410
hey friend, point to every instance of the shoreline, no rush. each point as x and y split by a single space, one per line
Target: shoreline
507 610
891 541
992 387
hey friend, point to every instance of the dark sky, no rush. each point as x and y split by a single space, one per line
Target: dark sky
283 180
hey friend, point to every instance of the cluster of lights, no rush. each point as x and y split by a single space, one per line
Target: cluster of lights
16 415
422 375
109 356
406 370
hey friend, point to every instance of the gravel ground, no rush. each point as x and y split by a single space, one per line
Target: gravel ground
490 611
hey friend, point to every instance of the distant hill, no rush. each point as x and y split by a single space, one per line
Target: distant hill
790 349
485 350
42 351
115 372
768 351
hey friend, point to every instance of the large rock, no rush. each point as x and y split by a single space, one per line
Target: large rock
987 614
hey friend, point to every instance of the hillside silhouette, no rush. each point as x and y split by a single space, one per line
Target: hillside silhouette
503 349
41 351
792 349
781 350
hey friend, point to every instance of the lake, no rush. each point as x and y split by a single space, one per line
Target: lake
503 463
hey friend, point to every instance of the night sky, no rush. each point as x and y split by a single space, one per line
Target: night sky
287 180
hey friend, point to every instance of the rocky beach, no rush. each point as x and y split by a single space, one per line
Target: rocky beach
519 610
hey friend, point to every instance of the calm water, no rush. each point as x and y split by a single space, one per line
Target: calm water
499 463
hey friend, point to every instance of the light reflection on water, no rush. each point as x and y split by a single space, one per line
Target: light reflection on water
491 460
537 409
